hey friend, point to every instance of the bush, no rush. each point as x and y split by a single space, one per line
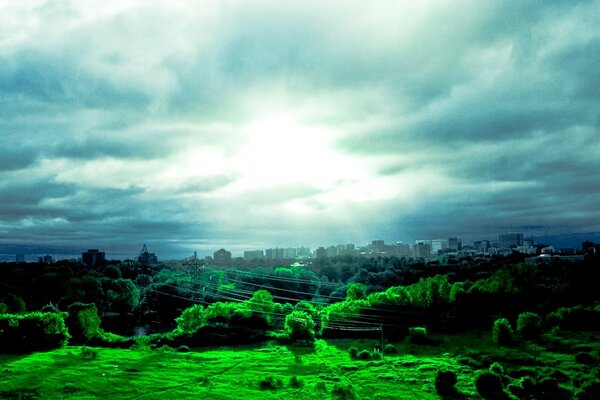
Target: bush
183 349
88 353
419 335
489 385
83 322
529 325
353 352
342 391
299 325
497 369
36 331
390 349
364 355
444 383
295 382
502 332
269 383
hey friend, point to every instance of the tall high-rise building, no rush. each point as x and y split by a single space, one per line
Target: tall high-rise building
20 258
510 240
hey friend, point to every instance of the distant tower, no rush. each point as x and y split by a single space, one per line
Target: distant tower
145 258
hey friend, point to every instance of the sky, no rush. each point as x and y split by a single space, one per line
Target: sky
191 126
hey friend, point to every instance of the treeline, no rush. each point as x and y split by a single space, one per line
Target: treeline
339 292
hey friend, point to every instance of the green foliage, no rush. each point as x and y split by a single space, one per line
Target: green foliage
33 331
299 325
223 312
390 349
83 321
3 308
419 335
489 385
444 383
270 383
287 308
529 325
343 310
502 332
123 295
356 291
497 369
306 307
343 391
88 353
191 319
353 352
364 355
295 382
434 291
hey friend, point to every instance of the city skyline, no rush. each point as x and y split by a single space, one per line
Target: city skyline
253 125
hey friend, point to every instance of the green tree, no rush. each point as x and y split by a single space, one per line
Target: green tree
299 325
123 295
356 291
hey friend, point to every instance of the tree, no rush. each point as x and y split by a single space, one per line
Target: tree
356 291
299 325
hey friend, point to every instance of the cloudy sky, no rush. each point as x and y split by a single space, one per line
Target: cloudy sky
248 124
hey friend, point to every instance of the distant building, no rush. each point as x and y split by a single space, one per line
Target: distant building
422 250
320 253
222 257
331 251
47 259
400 250
510 240
93 257
455 243
304 252
254 255
438 244
20 258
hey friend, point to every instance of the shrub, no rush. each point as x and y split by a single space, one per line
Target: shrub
299 325
83 322
364 355
183 349
353 352
489 385
497 369
444 383
343 391
269 383
529 325
88 353
418 335
390 349
502 332
295 382
35 331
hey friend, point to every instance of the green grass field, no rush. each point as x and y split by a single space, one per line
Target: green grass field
236 372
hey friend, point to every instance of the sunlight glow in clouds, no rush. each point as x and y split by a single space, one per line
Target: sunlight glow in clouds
291 123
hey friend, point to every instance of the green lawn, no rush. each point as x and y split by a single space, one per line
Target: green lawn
235 372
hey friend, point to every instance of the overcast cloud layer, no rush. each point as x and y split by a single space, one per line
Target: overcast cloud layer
268 123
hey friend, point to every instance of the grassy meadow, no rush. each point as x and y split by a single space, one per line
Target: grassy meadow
275 371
